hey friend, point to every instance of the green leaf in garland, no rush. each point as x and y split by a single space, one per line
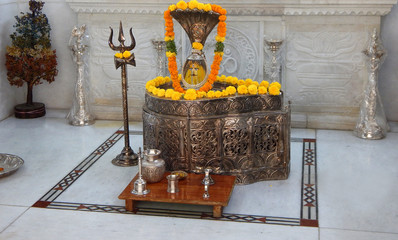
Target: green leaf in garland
219 47
171 46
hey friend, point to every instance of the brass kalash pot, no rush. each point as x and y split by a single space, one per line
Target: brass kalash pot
197 24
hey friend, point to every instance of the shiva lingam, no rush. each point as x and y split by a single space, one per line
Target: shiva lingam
127 157
198 25
140 183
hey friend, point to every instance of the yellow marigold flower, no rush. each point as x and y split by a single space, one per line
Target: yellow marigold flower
218 79
162 81
182 5
176 96
278 85
207 7
167 38
210 94
170 54
229 79
264 83
252 89
217 94
119 55
167 79
242 89
223 78
126 54
191 96
161 93
220 39
197 46
172 7
231 90
262 90
224 93
193 4
234 80
150 83
155 91
150 88
191 91
179 76
274 89
159 80
201 6
219 54
201 94
169 93
248 82
241 82
256 83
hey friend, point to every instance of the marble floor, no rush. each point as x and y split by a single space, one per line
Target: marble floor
68 189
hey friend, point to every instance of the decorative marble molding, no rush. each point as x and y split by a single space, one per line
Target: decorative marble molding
247 8
323 71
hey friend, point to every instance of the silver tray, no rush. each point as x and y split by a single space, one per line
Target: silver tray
10 163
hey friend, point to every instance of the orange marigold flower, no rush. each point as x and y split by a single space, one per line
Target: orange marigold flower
166 14
222 18
223 11
171 34
222 34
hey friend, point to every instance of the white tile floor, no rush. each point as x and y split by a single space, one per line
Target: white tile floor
357 191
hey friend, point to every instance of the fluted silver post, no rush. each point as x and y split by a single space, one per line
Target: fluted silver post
372 123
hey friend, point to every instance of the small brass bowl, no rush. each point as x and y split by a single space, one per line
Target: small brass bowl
181 174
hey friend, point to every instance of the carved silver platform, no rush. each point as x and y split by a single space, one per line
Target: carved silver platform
246 136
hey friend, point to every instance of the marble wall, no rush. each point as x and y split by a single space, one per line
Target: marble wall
324 71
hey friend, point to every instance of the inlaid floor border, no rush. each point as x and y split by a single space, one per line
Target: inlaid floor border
309 192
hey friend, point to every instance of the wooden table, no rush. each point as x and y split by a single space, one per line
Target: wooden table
191 192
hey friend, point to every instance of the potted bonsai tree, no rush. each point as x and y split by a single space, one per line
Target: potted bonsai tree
30 58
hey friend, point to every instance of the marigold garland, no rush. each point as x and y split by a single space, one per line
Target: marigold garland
171 50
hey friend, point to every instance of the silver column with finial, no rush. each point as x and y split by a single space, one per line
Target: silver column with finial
80 113
127 157
272 69
372 123
160 47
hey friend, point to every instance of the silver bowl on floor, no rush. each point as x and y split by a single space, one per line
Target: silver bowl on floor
9 164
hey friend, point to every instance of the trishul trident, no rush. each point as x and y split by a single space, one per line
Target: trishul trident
127 157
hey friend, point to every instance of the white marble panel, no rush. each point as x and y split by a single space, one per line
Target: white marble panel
50 148
9 214
357 182
332 234
59 224
103 182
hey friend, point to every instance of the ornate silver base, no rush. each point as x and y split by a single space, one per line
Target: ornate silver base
126 158
140 187
371 133
246 136
82 122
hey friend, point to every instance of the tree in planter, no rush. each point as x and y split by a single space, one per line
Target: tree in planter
30 58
